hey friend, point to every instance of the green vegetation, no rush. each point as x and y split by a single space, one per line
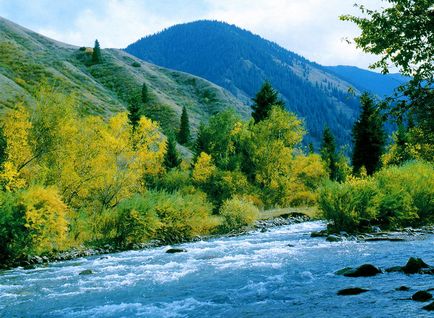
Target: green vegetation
393 197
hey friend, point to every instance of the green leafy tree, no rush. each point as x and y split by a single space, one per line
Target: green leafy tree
328 153
145 93
368 137
96 54
184 128
402 34
171 158
265 99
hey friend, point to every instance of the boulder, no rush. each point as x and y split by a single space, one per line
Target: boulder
414 265
375 229
402 288
421 295
319 233
344 271
364 270
351 291
333 238
86 272
429 307
176 250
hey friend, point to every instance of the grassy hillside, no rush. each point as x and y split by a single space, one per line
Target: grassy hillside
28 59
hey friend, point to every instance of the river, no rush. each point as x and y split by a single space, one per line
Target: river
280 273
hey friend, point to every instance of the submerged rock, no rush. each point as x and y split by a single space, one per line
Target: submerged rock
86 272
352 291
429 307
402 288
333 238
322 233
176 250
421 295
364 270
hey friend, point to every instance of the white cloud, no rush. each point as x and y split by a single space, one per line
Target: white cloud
310 28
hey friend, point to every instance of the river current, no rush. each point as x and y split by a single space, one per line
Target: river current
280 273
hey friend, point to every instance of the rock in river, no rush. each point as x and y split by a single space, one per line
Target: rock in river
176 250
429 307
86 272
352 291
364 270
421 295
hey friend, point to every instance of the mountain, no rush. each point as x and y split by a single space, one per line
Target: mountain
378 84
241 61
28 59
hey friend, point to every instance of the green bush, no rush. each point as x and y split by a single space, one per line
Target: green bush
14 237
237 213
346 204
407 194
174 180
393 197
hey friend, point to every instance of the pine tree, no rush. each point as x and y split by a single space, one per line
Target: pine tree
201 142
145 96
328 153
171 158
96 54
265 98
368 137
134 113
3 145
184 128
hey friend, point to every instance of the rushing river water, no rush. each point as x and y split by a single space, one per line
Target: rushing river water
280 273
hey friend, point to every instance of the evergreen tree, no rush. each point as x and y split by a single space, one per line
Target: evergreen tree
184 128
145 96
96 54
310 149
265 98
3 145
134 113
171 158
328 153
201 142
368 137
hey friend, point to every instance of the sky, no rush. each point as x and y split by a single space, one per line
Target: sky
310 28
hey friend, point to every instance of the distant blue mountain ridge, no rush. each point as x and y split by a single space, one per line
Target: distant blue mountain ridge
241 61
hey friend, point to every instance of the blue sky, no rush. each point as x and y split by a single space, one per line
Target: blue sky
308 27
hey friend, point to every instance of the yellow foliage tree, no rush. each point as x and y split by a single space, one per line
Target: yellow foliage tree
203 169
46 218
17 126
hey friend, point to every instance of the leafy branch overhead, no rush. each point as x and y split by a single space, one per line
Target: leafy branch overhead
401 34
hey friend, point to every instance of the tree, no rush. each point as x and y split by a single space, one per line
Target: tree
3 147
134 114
171 157
184 128
328 153
265 98
368 137
96 54
402 34
145 94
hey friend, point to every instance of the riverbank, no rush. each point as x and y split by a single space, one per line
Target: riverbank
266 220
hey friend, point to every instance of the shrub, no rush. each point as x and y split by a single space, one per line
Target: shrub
237 213
393 197
14 238
46 219
348 203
